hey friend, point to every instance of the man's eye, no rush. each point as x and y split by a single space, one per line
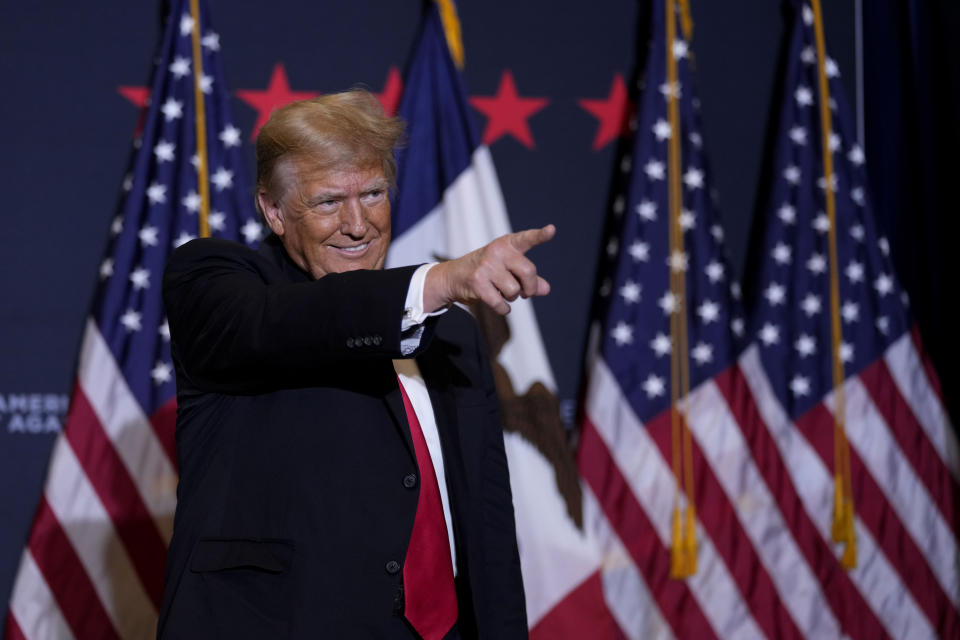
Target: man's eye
376 193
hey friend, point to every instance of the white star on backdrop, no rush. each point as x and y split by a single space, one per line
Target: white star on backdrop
140 278
660 345
172 109
639 251
230 136
211 41
714 271
157 193
854 272
687 219
191 201
850 311
148 236
804 96
217 221
857 232
251 230
821 223
662 129
775 293
669 303
622 334
161 373
702 353
647 210
769 334
883 324
131 320
817 264
883 284
678 261
206 83
708 311
630 291
116 227
805 345
857 195
810 305
792 174
693 178
654 170
186 24
782 253
164 330
180 67
845 352
183 238
737 326
222 179
164 151
787 213
680 49
800 386
106 268
798 135
855 155
654 386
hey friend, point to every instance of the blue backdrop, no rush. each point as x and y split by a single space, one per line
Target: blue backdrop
71 73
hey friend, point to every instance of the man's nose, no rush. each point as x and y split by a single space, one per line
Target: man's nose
353 220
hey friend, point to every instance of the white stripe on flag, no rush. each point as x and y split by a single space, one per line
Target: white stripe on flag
471 215
652 482
128 428
874 577
728 454
624 589
33 606
871 437
555 556
908 372
91 533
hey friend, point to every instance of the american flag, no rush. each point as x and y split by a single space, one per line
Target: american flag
94 562
761 417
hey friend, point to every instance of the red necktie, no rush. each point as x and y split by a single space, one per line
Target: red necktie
429 594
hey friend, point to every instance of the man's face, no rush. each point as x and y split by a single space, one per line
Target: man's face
333 220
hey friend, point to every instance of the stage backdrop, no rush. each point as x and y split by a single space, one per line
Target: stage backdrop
73 77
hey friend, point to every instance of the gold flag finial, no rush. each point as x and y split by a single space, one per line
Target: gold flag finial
451 28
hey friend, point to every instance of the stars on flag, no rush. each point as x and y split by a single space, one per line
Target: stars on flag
660 345
630 291
172 109
655 170
161 373
131 320
164 151
647 210
639 251
252 231
622 334
654 386
140 278
148 236
230 136
157 193
222 179
183 238
180 67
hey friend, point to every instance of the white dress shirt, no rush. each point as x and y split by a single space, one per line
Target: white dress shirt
411 329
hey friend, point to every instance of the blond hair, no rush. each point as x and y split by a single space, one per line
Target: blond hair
348 130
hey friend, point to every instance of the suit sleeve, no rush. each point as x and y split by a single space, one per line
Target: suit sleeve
506 604
234 330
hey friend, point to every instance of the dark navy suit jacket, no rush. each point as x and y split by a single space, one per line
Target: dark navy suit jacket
295 502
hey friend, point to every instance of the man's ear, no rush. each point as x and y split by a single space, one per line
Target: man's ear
271 212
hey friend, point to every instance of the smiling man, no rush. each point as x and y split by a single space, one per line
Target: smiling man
342 471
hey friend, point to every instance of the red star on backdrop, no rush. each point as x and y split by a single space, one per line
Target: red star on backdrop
613 113
276 95
392 90
507 113
138 96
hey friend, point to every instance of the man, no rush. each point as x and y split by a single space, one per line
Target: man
342 471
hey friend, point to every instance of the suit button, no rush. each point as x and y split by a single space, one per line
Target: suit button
377 340
367 340
349 343
410 480
392 567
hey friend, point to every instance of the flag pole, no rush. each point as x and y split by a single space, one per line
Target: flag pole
842 529
203 184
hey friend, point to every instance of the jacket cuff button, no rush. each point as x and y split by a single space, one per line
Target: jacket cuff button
410 480
392 567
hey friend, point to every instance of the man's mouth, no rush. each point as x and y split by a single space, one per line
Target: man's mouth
353 250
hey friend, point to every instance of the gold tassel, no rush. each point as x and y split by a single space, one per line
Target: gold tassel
677 564
451 28
690 541
837 530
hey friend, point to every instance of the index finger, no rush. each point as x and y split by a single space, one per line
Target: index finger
525 240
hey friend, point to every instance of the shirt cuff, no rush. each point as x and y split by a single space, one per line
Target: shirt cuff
411 326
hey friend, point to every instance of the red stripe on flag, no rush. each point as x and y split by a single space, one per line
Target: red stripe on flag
12 629
628 518
932 376
912 439
68 580
856 618
119 494
582 613
719 518
892 537
164 421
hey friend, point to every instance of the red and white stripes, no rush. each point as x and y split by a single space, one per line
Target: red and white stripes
94 564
